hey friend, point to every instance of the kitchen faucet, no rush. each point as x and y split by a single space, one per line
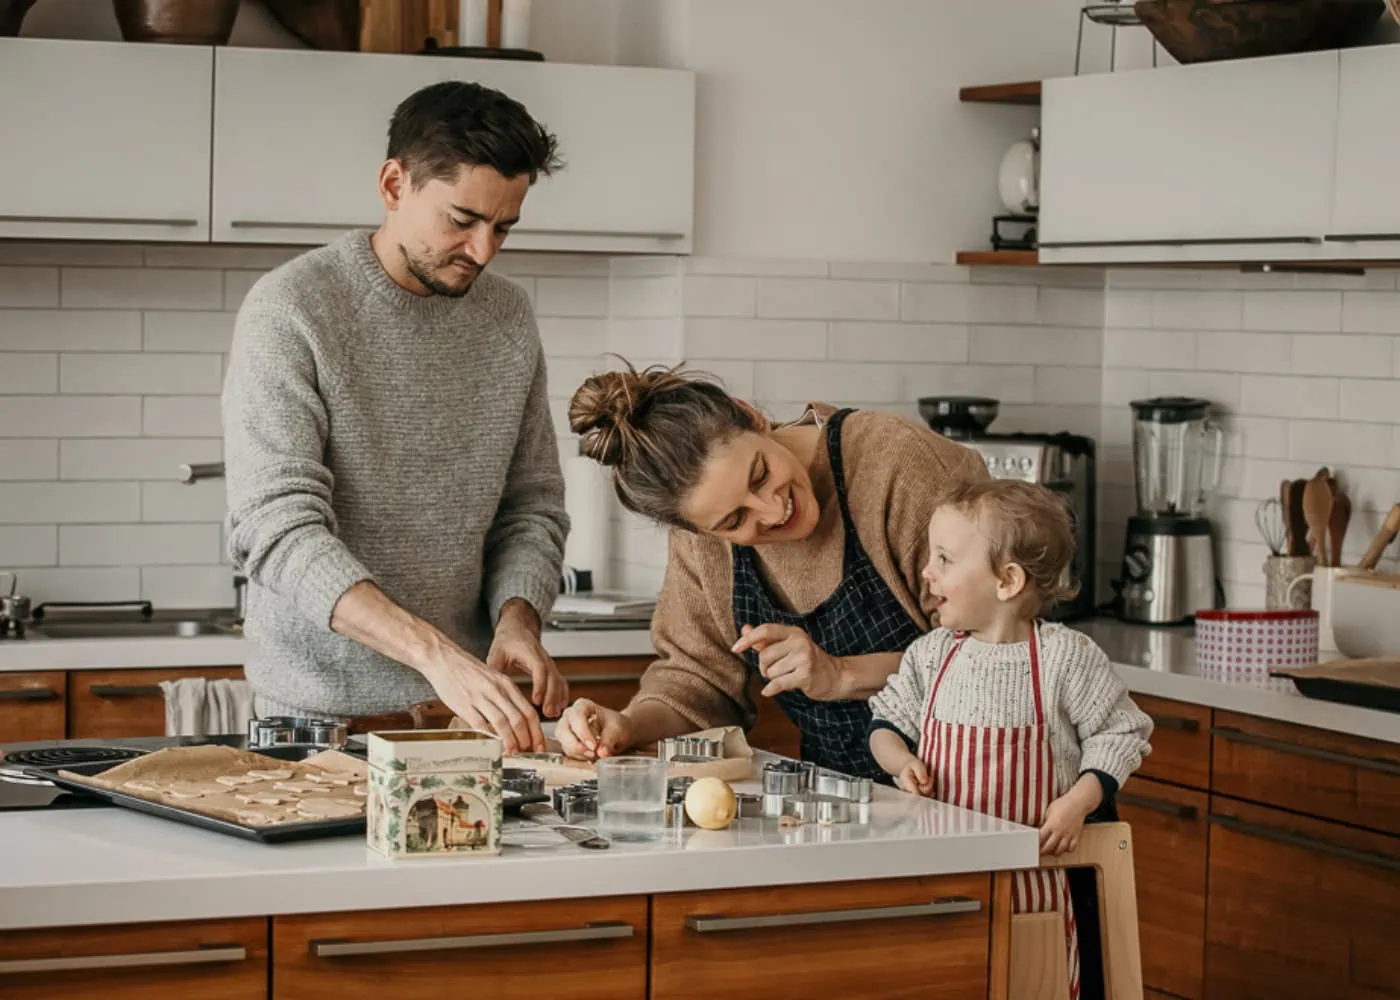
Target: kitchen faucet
192 473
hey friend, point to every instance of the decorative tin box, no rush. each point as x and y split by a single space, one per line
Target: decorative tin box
434 792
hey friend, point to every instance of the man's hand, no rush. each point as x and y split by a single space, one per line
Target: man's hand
487 699
791 661
516 646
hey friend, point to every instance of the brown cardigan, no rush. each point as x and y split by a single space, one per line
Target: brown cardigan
896 473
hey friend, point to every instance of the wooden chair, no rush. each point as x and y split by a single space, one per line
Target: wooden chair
1039 966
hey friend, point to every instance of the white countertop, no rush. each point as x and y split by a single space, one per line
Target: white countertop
110 865
232 650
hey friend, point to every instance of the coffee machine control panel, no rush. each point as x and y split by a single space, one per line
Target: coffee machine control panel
1019 460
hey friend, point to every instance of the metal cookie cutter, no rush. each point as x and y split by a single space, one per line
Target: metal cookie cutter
281 730
824 810
690 749
781 778
575 802
522 781
843 786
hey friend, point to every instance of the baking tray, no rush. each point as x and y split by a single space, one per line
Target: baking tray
1376 696
278 833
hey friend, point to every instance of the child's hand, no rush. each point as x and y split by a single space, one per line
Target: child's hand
913 777
1064 821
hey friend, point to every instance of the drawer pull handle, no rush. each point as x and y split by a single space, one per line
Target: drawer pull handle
518 230
566 935
28 694
139 960
1176 722
1298 750
125 690
99 220
1176 809
1307 843
937 908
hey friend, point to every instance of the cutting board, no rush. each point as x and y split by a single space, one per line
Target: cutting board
1368 683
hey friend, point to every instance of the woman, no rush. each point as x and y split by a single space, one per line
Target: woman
794 551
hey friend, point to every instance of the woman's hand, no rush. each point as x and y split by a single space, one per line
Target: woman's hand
791 661
587 731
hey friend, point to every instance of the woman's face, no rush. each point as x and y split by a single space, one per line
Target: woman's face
753 491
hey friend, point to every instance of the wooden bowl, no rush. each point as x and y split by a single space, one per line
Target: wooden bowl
178 22
1195 31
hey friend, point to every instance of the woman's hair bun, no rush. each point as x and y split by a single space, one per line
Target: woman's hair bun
601 413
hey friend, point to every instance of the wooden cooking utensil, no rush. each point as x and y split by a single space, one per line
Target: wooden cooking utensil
1297 524
1383 539
1317 510
1337 526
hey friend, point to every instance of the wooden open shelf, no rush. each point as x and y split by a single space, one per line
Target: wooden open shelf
1026 93
998 258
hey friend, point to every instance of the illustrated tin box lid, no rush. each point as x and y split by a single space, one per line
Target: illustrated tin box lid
434 750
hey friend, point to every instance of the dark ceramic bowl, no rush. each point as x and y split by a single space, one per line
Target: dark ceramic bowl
12 16
177 22
1208 30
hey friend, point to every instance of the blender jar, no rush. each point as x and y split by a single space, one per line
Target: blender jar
1177 455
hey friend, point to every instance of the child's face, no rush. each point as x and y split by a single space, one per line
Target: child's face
959 573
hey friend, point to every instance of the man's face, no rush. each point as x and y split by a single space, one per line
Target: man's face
447 231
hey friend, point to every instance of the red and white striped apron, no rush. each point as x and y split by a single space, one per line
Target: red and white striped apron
1007 772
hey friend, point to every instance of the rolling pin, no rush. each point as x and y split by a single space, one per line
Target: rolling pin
1382 540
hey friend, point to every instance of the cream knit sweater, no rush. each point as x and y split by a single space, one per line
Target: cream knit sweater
1094 724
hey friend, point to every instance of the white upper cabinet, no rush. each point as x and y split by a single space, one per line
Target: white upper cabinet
1366 209
1218 161
299 138
104 141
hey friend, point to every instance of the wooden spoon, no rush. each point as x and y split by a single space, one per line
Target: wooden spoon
1337 525
1383 539
1317 511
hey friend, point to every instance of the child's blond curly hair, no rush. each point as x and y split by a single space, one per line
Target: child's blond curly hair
1026 524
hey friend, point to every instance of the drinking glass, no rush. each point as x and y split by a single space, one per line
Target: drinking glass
632 798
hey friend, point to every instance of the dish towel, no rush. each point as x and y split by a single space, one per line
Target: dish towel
197 706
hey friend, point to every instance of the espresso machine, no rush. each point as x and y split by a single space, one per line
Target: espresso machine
1169 558
1061 462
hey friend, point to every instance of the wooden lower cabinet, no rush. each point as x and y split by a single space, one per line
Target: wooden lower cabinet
915 937
1300 908
1169 860
1180 742
33 706
580 949
111 704
195 960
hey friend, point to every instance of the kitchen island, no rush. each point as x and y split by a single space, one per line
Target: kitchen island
918 895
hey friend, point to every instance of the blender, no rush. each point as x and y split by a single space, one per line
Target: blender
1169 558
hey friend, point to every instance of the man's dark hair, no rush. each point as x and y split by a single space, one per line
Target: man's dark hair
445 126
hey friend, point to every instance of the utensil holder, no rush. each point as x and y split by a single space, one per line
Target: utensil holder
1280 572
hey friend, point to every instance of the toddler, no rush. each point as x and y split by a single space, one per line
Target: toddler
997 711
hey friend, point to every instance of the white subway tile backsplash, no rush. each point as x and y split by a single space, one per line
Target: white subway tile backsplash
1009 383
1282 396
804 381
971 303
1191 309
653 338
942 343
1123 385
1219 388
29 374
1127 309
1071 307
71 254
1253 353
1375 400
1371 312
69 416
540 265
174 331
801 298
571 297
141 288
1331 442
28 545
137 544
1262 437
755 339
573 337
156 374
187 586
712 295
236 286
133 458
220 257
1130 348
20 459
758 267
172 502
1310 312
69 503
866 270
181 416
1331 354
1068 386
1036 345
82 583
34 287
69 330
644 298
738 377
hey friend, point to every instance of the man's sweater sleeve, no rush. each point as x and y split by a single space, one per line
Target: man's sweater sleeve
281 526
525 545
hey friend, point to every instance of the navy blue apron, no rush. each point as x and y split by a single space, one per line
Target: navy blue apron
859 617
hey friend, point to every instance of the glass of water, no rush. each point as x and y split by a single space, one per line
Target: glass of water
632 798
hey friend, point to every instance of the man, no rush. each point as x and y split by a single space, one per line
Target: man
394 488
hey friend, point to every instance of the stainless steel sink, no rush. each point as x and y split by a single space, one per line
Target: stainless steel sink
180 628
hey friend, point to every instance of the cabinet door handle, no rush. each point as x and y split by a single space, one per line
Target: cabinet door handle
1176 809
125 690
524 681
1362 237
708 924
1298 750
521 230
1222 242
260 224
100 220
566 935
203 955
1176 722
1305 842
28 694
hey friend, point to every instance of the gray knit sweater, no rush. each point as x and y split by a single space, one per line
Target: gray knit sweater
1093 723
370 433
